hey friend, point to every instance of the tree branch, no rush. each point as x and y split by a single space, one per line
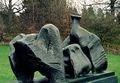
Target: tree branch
96 4
18 10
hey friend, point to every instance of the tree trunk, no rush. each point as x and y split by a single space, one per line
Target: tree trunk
10 14
112 6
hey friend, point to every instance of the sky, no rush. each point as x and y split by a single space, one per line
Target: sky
74 2
13 1
78 3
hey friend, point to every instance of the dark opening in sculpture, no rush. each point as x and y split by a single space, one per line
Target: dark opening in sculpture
78 55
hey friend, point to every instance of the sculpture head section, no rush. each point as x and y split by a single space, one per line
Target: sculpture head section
75 19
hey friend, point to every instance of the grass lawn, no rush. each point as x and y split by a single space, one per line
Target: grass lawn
114 64
7 76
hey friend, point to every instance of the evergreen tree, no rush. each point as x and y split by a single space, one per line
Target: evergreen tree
103 25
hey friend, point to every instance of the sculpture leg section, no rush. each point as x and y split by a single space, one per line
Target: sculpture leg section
76 61
92 48
97 54
19 61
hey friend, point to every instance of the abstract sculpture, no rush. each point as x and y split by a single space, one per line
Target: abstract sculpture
89 43
80 53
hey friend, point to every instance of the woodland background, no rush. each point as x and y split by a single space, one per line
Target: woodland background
30 15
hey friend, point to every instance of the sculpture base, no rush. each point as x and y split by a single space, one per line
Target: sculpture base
106 77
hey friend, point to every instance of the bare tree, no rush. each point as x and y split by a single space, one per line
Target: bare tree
10 9
40 12
112 6
109 5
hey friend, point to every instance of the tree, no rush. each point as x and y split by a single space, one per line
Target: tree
9 10
40 12
2 26
88 17
102 25
112 6
118 17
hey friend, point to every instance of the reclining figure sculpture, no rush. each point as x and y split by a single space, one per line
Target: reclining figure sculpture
80 53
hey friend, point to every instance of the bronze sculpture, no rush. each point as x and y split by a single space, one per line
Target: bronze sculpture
80 53
89 43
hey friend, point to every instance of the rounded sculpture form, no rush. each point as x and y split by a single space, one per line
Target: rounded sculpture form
76 62
40 52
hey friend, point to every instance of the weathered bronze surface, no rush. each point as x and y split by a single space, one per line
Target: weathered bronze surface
41 52
75 61
78 55
90 44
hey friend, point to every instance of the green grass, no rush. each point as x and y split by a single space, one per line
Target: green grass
114 64
7 76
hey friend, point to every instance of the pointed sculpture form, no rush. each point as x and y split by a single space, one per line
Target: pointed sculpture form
89 43
42 52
